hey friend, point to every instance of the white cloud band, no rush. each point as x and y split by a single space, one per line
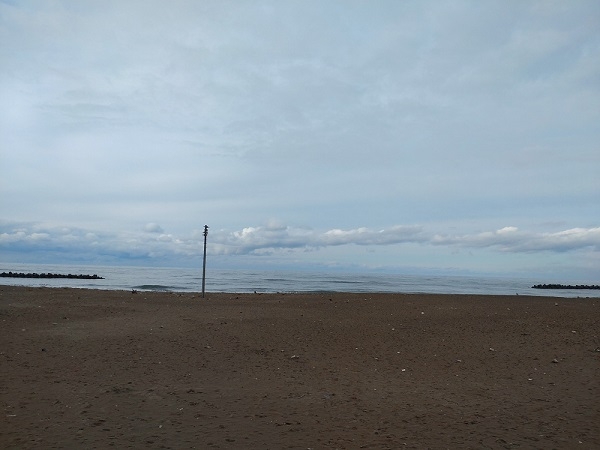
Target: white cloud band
153 243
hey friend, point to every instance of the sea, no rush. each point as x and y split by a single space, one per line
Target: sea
263 281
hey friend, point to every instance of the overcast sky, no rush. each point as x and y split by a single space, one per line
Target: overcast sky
412 136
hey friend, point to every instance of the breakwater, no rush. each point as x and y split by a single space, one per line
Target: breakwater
49 275
566 286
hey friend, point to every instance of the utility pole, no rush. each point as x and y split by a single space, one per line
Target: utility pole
204 261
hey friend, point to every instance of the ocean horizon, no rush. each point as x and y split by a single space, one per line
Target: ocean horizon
269 281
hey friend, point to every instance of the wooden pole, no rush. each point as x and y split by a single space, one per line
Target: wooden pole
204 261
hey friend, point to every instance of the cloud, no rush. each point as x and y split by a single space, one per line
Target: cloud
261 238
274 238
511 239
69 243
364 236
153 228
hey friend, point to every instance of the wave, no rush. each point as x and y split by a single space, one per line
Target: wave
156 287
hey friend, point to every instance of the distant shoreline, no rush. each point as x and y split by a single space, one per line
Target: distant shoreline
566 286
49 275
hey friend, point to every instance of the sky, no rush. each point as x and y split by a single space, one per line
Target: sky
442 137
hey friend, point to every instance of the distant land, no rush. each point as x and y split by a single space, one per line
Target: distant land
566 286
49 275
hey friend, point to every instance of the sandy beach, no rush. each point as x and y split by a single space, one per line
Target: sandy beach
85 369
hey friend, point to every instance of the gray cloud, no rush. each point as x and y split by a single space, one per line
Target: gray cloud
274 238
152 227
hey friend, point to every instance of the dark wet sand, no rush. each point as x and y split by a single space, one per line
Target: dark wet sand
84 369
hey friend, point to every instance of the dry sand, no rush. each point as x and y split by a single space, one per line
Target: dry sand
87 369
